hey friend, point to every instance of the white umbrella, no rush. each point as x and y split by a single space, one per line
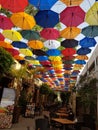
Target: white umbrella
52 44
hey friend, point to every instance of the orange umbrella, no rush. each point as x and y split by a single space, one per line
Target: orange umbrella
70 32
35 44
72 2
81 57
5 44
23 20
18 57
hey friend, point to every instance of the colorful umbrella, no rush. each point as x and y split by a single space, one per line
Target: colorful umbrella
39 52
68 57
13 5
68 51
81 57
18 57
43 4
13 51
5 22
68 62
35 44
72 2
29 58
82 62
87 42
72 16
23 20
12 35
26 52
5 44
1 37
19 44
42 58
49 33
47 18
83 51
30 34
92 15
69 43
52 44
55 58
53 52
70 32
90 31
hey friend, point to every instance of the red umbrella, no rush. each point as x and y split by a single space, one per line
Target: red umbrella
50 33
13 51
1 37
68 57
72 16
68 52
5 22
14 5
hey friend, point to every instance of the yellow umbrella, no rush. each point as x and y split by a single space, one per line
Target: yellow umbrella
55 58
35 44
34 62
56 62
72 2
92 15
5 44
81 57
26 52
78 65
23 20
12 35
70 32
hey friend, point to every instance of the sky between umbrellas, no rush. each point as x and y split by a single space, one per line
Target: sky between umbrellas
59 37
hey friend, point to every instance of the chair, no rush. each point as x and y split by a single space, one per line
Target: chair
41 124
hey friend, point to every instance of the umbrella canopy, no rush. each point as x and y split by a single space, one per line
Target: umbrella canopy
68 57
81 57
13 51
12 35
80 62
90 31
30 34
42 58
1 37
52 44
68 62
92 15
5 44
43 4
39 52
47 18
18 57
19 44
69 43
72 2
13 5
26 52
49 33
53 52
87 42
83 51
70 32
68 51
35 44
23 20
55 58
72 16
5 22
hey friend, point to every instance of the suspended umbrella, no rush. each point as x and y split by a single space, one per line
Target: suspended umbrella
68 65
78 65
81 62
52 44
81 57
47 18
1 37
39 52
30 34
87 42
55 58
42 58
5 44
69 43
26 52
68 62
72 16
67 68
5 22
68 57
29 58
70 32
92 15
83 51
53 52
36 44
13 5
56 63
72 2
68 51
45 62
18 57
13 51
43 4
23 20
49 33
19 44
90 31
12 35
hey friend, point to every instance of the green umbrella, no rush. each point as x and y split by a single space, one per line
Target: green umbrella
30 35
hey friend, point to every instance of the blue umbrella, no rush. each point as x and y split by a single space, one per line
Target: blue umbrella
47 18
80 62
43 4
53 52
42 58
83 51
19 44
87 42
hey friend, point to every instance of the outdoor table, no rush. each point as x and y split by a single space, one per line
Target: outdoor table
62 114
65 122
